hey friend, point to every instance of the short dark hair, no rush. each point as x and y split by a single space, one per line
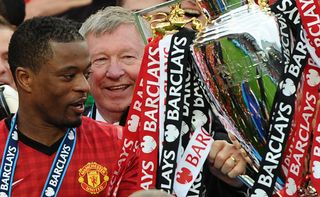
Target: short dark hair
29 45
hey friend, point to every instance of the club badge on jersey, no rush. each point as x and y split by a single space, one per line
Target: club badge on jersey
93 177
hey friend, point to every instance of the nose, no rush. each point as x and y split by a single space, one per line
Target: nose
82 85
115 70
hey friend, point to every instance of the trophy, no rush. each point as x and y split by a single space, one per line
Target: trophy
239 58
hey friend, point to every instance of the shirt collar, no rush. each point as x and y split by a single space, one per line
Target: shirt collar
100 118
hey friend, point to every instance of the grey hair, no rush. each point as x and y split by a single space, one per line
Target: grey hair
107 20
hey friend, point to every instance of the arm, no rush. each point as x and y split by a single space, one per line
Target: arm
49 7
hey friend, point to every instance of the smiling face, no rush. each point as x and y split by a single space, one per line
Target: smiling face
59 88
5 73
116 59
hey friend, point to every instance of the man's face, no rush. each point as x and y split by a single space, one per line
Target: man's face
60 87
5 73
115 59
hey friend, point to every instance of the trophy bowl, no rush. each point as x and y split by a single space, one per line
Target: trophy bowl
238 56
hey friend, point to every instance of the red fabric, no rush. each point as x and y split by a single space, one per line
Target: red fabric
96 142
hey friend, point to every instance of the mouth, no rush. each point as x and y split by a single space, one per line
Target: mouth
78 106
118 88
4 83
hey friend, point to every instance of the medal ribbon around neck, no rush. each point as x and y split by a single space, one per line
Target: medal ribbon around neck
11 153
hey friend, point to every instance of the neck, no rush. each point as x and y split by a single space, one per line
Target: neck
38 130
110 117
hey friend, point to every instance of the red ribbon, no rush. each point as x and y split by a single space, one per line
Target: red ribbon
302 131
310 16
149 127
315 150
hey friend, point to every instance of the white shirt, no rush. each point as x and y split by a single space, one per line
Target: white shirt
100 118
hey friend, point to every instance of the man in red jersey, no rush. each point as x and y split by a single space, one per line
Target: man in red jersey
48 148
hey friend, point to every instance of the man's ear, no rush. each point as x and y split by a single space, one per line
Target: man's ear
24 78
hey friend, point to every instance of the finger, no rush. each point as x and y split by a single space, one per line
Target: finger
216 147
237 144
223 154
244 154
229 164
239 169
234 140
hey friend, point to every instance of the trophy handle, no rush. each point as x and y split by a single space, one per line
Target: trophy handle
163 23
141 22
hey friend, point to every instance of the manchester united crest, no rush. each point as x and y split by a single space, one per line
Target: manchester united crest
93 177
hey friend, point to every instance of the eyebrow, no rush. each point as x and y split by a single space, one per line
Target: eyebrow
71 67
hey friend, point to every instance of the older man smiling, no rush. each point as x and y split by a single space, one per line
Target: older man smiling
116 50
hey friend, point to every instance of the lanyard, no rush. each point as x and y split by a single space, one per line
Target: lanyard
60 163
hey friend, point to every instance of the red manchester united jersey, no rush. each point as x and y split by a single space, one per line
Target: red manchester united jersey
95 155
